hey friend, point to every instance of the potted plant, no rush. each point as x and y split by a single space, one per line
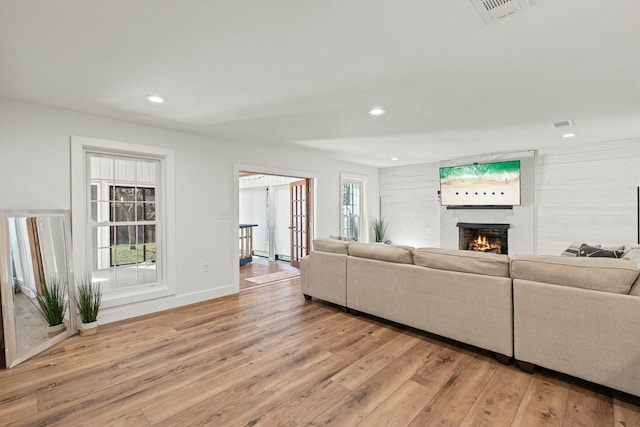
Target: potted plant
88 300
379 229
51 303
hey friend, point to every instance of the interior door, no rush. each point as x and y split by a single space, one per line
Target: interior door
301 204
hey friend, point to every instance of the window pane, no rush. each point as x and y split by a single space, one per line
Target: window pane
124 235
146 234
147 273
125 170
123 212
122 194
124 254
146 212
146 172
100 211
144 194
100 237
101 168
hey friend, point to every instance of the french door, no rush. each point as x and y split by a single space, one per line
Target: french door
301 196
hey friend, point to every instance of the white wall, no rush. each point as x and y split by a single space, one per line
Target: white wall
587 194
35 172
409 204
582 193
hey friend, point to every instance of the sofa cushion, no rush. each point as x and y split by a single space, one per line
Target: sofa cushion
331 245
598 274
390 253
462 261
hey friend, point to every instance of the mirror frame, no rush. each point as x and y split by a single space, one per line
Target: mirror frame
12 357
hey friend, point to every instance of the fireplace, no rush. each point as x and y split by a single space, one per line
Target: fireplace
492 238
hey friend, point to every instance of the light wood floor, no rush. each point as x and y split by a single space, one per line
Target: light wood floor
265 357
258 267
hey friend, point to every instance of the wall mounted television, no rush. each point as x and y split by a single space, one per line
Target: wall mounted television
481 185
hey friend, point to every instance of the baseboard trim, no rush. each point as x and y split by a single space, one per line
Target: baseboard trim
114 314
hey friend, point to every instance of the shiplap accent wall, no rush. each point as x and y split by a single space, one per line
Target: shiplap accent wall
409 204
584 193
587 194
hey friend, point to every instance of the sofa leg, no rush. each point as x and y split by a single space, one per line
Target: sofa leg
526 366
307 297
501 358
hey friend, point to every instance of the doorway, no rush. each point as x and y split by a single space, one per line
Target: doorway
275 214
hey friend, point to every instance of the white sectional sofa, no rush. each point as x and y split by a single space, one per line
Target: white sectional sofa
579 316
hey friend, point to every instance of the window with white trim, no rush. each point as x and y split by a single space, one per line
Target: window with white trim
123 205
351 208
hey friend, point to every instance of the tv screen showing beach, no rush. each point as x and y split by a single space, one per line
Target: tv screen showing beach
485 184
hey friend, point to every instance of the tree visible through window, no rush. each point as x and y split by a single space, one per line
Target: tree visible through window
351 208
133 243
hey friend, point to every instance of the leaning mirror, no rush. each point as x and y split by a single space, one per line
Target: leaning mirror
36 276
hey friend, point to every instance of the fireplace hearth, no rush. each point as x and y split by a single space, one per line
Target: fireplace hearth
491 238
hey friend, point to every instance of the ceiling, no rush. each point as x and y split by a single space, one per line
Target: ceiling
297 73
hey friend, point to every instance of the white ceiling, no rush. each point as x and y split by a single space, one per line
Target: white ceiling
305 73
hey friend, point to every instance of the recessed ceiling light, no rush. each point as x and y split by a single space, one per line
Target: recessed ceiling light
156 99
394 159
568 135
377 111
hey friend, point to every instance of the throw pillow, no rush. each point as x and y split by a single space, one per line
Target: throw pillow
629 247
634 255
597 252
572 250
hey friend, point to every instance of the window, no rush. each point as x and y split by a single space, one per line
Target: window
351 208
122 236
122 222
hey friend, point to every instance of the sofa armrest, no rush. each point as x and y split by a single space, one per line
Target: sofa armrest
588 334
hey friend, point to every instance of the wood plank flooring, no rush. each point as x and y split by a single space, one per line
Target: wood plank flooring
258 267
266 357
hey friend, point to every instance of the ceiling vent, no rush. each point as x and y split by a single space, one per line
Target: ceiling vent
563 124
494 10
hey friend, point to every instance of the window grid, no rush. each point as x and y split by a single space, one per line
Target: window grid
122 220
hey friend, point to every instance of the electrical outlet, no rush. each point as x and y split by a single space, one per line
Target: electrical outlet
205 267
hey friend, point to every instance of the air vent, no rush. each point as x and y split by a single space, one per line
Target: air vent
494 10
564 124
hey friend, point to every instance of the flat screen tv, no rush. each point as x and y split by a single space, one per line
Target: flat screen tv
481 185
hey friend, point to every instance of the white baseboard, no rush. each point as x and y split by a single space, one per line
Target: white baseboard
113 314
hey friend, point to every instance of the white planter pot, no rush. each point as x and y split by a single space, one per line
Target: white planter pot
89 328
52 331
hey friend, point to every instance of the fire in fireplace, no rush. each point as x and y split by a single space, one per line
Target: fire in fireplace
492 238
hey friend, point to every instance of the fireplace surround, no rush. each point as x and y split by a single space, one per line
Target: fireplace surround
490 238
